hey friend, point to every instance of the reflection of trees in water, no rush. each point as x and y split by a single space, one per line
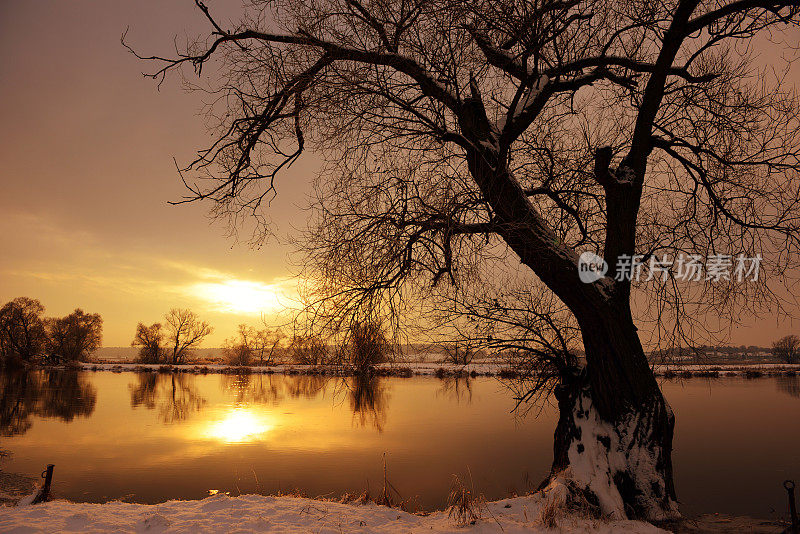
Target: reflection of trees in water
51 394
368 396
272 389
789 384
306 386
457 388
253 389
174 394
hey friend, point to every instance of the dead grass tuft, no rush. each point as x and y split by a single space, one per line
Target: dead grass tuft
463 506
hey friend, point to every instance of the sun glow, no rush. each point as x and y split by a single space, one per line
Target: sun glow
240 296
240 425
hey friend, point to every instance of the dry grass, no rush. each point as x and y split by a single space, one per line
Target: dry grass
463 506
550 510
565 499
389 492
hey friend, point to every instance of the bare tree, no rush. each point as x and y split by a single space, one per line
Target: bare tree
787 349
74 336
241 349
184 332
308 350
269 342
252 344
458 352
466 136
150 340
22 335
366 345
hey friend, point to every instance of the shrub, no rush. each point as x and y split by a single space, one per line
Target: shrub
367 346
307 350
240 350
238 354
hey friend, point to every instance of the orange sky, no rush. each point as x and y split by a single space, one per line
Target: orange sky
87 170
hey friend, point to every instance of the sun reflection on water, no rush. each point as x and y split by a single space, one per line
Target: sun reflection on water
239 425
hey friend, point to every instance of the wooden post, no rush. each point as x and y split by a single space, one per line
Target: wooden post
44 493
789 486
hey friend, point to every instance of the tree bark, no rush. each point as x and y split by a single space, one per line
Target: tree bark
613 441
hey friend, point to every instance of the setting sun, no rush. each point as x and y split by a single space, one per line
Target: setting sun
240 296
239 426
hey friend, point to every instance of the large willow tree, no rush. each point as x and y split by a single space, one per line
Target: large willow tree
542 128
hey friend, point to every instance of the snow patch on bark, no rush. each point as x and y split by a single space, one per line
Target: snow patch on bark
603 453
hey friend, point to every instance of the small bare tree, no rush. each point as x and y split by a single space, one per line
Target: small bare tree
252 344
150 340
184 331
366 346
270 341
239 350
458 352
308 350
787 349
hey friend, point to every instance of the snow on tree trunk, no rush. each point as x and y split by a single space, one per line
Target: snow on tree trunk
624 466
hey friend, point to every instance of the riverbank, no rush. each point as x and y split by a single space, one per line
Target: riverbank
256 513
285 514
440 370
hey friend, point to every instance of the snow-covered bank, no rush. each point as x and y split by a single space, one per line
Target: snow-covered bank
408 369
256 513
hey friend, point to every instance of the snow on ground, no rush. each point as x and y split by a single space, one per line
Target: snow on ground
480 367
256 513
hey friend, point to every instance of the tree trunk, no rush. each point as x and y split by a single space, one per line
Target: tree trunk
613 441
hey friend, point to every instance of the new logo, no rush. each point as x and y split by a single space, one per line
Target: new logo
591 267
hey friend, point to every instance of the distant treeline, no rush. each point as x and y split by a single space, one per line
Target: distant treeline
176 340
781 351
27 336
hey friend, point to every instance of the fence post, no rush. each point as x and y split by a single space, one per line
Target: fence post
789 486
44 493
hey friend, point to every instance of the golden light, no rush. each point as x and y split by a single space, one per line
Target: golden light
240 425
239 296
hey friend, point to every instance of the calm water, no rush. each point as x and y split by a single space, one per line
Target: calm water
153 437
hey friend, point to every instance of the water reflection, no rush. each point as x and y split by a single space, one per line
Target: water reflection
52 394
267 433
789 385
272 389
175 395
306 386
456 388
240 425
368 396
